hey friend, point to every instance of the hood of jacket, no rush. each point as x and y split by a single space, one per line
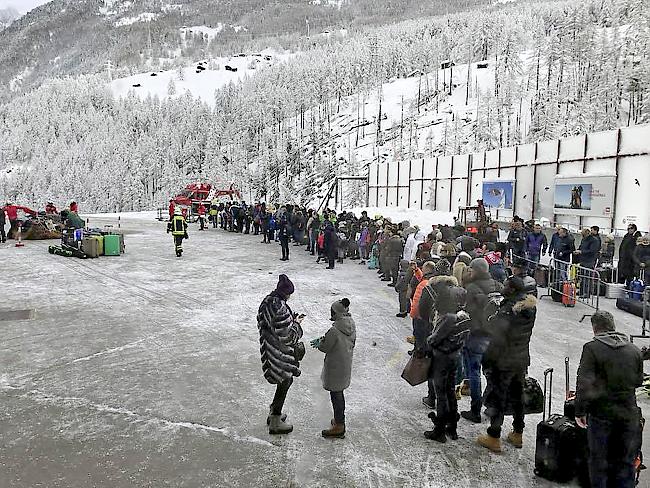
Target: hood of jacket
612 339
440 279
528 302
344 324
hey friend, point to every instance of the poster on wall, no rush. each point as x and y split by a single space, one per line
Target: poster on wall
591 196
498 194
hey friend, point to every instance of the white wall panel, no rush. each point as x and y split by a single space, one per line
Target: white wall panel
635 140
602 144
444 167
492 159
572 148
526 154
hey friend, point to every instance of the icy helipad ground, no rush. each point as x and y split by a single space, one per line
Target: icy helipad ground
144 371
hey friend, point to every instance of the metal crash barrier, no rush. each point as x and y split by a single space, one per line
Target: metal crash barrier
565 282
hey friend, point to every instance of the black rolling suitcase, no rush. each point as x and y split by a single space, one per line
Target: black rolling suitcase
556 441
556 293
581 454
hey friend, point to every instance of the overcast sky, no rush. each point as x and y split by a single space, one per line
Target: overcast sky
23 6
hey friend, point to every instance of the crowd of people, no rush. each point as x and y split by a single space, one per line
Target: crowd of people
473 309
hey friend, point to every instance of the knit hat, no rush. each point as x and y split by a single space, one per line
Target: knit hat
516 284
480 265
285 286
340 308
464 257
443 267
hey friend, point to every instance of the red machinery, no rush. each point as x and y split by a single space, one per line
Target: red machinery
196 194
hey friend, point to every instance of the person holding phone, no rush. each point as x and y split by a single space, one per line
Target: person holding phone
280 348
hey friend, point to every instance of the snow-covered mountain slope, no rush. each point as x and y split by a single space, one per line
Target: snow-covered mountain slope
85 34
200 79
7 16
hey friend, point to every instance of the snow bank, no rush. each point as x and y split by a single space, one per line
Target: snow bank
210 32
422 218
143 17
200 85
146 215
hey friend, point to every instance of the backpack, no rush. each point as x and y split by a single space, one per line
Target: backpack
491 307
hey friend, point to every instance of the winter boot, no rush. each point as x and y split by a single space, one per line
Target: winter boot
277 426
437 434
401 315
515 439
471 416
492 443
458 395
410 339
335 431
429 402
464 388
451 431
283 417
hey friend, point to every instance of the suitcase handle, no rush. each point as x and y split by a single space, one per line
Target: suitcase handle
566 377
548 375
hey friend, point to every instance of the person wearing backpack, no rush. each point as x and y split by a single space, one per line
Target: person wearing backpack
483 299
445 343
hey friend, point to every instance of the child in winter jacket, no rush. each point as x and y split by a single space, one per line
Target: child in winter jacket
338 346
401 287
363 241
342 245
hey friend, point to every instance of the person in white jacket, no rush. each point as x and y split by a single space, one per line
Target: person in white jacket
412 243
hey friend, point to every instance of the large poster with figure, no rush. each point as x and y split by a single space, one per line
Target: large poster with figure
498 194
585 195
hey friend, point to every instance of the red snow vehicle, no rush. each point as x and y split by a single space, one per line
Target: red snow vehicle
196 194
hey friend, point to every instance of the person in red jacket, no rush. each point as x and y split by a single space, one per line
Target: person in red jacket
74 207
12 215
171 210
202 212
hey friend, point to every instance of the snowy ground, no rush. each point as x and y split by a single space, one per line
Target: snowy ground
144 370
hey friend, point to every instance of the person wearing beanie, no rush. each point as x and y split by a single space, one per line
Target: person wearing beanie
481 288
506 362
280 348
338 346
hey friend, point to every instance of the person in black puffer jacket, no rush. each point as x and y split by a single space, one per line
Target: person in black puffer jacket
479 288
280 349
506 362
445 343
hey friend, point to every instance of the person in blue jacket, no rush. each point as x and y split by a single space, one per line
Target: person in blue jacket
536 245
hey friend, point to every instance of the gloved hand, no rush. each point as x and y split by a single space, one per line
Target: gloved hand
315 343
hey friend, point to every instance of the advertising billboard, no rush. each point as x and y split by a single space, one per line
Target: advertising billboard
498 194
591 196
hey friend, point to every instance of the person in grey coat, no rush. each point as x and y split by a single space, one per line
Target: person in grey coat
338 346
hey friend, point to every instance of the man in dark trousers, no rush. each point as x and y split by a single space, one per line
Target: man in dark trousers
587 255
610 370
506 362
330 244
3 237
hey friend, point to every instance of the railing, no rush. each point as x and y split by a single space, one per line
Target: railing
567 282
